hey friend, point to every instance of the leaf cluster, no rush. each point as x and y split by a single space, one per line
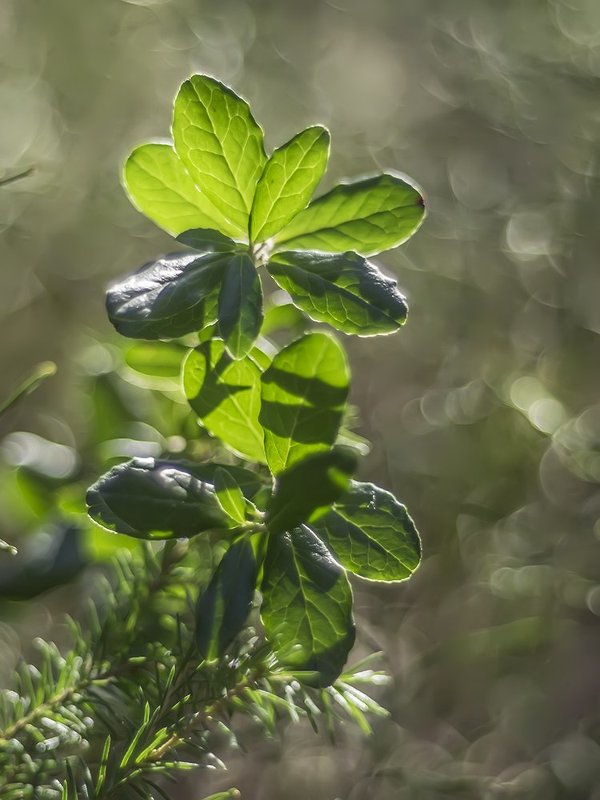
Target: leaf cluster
294 519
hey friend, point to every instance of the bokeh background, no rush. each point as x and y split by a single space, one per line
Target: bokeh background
483 413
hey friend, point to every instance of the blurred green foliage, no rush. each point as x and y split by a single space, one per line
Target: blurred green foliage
483 411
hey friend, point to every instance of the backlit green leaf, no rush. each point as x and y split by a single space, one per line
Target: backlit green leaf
152 499
240 305
309 487
229 495
290 177
221 146
307 605
285 316
366 216
159 185
167 298
223 608
343 290
304 394
225 394
371 534
158 359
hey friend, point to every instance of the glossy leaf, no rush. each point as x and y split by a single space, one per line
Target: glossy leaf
371 534
159 186
366 216
167 298
249 483
221 146
290 177
309 487
345 290
229 495
240 305
152 499
304 394
224 606
225 394
307 605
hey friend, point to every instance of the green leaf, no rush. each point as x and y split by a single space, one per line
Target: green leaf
307 605
159 186
103 765
221 146
223 608
152 499
240 305
366 216
205 239
371 534
284 316
344 290
225 394
230 495
249 483
290 177
304 394
158 359
70 787
167 298
309 487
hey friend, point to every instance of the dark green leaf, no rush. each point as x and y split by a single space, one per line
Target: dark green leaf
309 487
371 534
240 305
167 298
307 605
152 499
290 177
343 290
304 394
229 495
223 608
205 240
366 216
221 146
248 482
159 185
225 394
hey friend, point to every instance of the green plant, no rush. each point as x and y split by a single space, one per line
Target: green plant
296 522
241 601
